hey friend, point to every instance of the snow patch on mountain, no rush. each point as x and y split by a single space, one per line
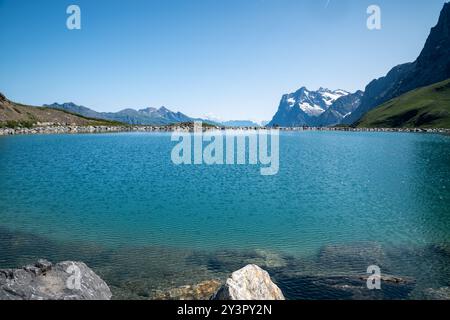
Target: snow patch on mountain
323 107
314 103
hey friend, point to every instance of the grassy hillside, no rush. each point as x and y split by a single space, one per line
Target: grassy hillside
427 107
18 115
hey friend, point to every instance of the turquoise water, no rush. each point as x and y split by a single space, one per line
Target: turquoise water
120 193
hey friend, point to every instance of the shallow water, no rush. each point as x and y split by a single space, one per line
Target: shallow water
341 202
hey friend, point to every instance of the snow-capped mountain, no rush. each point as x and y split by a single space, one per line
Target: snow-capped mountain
313 103
302 107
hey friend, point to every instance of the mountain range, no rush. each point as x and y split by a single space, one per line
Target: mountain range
147 116
432 66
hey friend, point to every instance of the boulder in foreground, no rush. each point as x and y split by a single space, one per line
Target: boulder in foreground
47 281
249 283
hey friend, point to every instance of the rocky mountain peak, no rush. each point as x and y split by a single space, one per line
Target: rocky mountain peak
148 110
437 47
164 109
304 106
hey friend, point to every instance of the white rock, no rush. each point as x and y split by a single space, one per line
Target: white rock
249 283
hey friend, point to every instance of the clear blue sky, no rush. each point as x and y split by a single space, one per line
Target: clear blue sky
230 58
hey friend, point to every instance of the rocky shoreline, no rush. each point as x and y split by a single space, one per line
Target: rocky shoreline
349 129
72 280
62 129
73 129
44 280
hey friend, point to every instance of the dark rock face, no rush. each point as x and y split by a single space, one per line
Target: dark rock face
433 63
340 109
46 281
380 90
348 104
289 118
432 66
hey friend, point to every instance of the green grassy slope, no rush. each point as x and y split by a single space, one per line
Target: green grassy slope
427 107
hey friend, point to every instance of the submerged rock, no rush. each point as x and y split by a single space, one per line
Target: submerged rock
342 287
437 294
270 259
352 257
46 281
249 283
201 291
